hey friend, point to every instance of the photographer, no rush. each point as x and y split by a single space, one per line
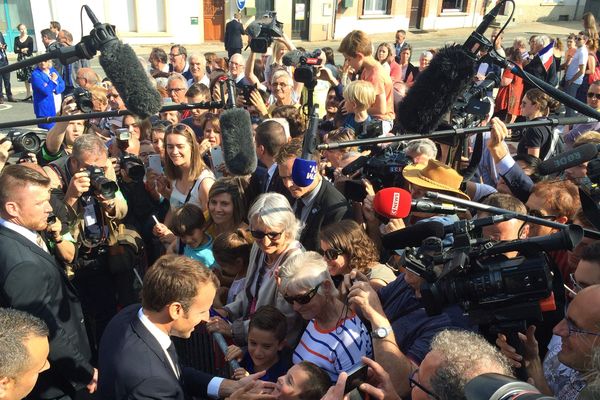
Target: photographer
86 182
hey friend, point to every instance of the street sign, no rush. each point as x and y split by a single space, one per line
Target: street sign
240 4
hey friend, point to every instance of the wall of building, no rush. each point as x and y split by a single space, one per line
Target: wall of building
351 18
544 10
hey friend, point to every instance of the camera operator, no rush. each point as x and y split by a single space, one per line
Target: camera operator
565 370
86 182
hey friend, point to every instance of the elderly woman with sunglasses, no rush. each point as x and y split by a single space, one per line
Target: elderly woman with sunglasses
275 229
346 246
335 338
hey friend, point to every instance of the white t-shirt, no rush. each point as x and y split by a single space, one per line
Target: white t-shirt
580 57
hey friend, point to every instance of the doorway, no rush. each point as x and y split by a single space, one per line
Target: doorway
13 13
214 19
300 19
416 14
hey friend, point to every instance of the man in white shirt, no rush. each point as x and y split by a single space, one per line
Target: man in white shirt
576 70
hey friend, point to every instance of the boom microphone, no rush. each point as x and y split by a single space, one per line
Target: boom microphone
565 239
218 337
124 70
237 142
395 202
477 40
436 89
568 159
413 235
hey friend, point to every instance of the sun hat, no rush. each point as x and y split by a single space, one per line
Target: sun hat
435 176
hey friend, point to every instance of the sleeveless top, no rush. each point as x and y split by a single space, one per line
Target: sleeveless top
178 199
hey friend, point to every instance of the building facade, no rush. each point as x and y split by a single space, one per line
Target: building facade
140 22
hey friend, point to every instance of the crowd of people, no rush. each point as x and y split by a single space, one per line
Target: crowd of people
117 211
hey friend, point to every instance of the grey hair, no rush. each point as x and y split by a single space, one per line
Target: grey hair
422 146
521 41
282 72
303 272
465 355
87 144
274 210
15 327
427 53
200 58
542 40
177 76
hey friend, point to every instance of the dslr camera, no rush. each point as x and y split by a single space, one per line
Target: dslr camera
133 166
100 183
83 100
24 142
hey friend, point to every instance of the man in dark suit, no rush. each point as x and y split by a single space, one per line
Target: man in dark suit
137 358
233 35
318 204
32 281
5 77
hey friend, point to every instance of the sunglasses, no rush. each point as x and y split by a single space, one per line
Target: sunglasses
179 128
539 214
330 254
591 95
261 235
302 298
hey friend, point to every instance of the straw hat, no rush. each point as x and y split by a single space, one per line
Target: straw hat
435 176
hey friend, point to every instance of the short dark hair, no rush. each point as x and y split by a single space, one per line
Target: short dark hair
319 381
271 135
270 319
229 246
591 253
15 327
182 50
186 219
47 33
159 54
55 25
13 176
68 35
174 278
506 201
198 89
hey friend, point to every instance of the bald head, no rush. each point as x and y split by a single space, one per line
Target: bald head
87 78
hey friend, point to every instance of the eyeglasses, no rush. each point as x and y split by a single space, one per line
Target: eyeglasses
413 383
539 214
330 254
175 90
573 329
591 95
261 235
302 298
173 55
577 287
276 84
234 64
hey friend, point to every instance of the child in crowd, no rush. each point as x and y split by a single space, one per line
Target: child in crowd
232 254
266 342
358 95
197 93
188 224
357 50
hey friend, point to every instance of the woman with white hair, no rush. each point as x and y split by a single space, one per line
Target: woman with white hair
335 338
275 229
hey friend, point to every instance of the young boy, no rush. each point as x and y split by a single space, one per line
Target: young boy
357 50
197 93
266 340
358 95
188 224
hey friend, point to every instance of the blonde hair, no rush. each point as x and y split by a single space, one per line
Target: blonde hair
99 93
361 93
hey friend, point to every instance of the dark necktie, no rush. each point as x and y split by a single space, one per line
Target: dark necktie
174 358
299 208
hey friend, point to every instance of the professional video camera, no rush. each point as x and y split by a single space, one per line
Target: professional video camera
474 104
475 273
133 166
263 30
305 64
101 184
23 142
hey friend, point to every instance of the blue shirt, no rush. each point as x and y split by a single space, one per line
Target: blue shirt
202 253
278 369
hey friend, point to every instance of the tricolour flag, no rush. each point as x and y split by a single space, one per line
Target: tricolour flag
547 56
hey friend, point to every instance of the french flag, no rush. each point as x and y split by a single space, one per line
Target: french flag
547 56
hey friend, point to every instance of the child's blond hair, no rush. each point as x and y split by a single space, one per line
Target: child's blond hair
361 93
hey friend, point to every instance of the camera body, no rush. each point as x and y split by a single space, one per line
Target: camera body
24 142
83 100
263 30
100 183
133 166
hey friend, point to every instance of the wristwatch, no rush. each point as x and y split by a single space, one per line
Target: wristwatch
382 332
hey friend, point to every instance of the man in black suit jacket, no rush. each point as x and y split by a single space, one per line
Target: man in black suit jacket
233 35
5 77
137 358
32 281
318 204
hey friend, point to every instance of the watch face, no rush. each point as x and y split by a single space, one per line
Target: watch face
381 332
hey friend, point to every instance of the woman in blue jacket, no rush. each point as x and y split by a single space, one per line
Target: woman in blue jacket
47 87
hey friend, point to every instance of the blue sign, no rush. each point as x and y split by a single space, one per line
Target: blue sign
240 4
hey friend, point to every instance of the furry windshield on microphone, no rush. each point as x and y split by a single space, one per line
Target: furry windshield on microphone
435 90
239 151
124 70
